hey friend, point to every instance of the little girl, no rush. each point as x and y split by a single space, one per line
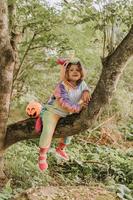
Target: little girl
69 96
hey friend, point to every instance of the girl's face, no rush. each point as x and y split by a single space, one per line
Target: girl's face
74 73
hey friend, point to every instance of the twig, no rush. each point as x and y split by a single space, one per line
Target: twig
66 1
90 131
96 162
86 142
25 54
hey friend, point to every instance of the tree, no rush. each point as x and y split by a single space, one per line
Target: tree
113 66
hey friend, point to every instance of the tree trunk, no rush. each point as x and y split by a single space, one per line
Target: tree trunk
12 32
3 178
113 67
2 175
6 74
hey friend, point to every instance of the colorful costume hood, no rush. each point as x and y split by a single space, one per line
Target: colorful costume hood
64 64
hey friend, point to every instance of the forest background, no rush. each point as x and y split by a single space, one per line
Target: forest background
90 29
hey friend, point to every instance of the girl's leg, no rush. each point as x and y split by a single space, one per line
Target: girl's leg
60 150
49 123
67 140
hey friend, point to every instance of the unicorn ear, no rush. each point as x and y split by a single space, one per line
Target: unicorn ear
60 61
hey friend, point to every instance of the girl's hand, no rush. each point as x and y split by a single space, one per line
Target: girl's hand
82 104
85 97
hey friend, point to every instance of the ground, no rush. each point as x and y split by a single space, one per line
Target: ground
67 193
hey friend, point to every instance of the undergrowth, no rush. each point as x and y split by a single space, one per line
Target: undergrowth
89 162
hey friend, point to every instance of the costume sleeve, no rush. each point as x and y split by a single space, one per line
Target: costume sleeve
63 100
85 87
85 97
61 62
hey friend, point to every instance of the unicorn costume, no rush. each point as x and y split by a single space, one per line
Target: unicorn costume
64 101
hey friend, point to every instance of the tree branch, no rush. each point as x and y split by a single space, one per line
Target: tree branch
25 54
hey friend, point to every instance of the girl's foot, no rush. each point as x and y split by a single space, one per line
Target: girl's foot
42 162
61 152
43 165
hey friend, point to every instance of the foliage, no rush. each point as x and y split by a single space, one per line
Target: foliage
123 192
47 33
7 191
26 173
88 163
128 130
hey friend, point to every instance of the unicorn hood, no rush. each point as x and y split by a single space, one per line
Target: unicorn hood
64 64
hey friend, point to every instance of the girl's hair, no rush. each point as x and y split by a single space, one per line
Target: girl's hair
80 70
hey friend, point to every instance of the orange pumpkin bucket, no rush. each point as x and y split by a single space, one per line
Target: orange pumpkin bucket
33 109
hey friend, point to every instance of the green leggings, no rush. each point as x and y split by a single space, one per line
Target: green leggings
50 121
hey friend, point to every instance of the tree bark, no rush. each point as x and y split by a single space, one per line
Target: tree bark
6 70
113 66
12 32
6 75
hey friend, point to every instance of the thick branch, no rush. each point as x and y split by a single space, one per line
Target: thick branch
24 130
113 66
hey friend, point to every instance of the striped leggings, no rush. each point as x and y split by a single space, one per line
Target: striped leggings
50 121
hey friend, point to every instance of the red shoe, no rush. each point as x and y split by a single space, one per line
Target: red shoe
60 151
43 165
42 162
